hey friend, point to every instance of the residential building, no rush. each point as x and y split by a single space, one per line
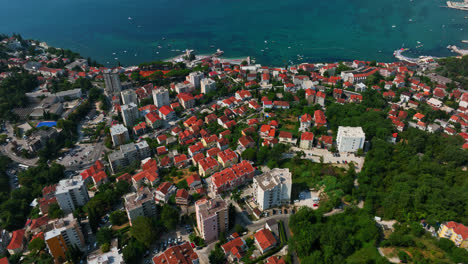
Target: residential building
305 122
119 134
265 240
272 188
207 85
17 242
110 257
140 203
112 81
194 78
167 113
456 232
129 96
234 249
66 233
227 158
153 120
71 194
161 97
350 139
212 218
164 191
307 140
207 166
130 114
182 254
182 197
232 177
128 154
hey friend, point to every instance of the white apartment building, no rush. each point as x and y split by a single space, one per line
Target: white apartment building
119 135
207 85
71 194
140 203
130 114
272 188
129 96
350 139
194 78
161 97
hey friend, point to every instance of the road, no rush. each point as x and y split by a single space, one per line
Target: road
6 149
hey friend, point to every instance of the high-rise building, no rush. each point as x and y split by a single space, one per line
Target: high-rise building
130 114
272 188
128 154
212 218
161 97
71 194
350 139
112 81
207 85
119 134
129 96
66 232
140 203
194 78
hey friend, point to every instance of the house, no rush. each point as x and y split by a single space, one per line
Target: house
16 244
161 139
139 129
265 240
307 140
246 142
319 118
207 166
325 142
456 232
162 150
234 249
100 178
418 116
87 174
181 161
286 137
243 95
183 254
275 260
227 158
320 98
305 122
148 176
310 95
194 181
182 197
164 192
167 113
196 148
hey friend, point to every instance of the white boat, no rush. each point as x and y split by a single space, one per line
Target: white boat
130 18
393 26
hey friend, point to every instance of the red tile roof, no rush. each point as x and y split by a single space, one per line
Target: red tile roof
307 136
285 134
16 239
265 239
193 178
459 229
179 254
227 155
165 110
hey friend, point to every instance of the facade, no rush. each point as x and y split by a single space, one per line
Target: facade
265 240
161 97
128 154
71 194
164 191
350 139
207 85
140 203
212 218
194 78
66 232
130 114
119 135
112 81
307 141
272 188
129 96
456 232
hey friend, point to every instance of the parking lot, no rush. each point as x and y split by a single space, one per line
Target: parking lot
329 157
78 155
308 198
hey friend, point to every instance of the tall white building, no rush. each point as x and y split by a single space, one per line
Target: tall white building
140 203
119 134
194 78
71 194
129 114
207 85
272 188
161 97
129 96
350 139
112 81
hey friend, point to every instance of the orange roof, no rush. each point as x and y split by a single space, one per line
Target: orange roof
307 136
194 177
285 134
235 243
418 116
16 240
265 238
227 155
179 254
35 223
207 163
275 260
182 193
458 229
4 260
99 176
164 187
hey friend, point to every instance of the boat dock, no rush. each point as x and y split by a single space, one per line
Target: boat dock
458 5
455 49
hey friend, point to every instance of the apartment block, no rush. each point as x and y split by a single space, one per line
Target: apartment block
212 218
272 188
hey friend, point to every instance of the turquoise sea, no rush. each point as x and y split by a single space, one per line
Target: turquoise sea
317 30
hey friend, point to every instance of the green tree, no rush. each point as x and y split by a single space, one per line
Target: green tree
134 251
169 217
104 235
143 230
118 217
216 256
36 245
55 211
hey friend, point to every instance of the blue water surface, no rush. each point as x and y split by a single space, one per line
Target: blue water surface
274 32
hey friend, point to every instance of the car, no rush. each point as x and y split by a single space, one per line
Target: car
315 205
192 244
